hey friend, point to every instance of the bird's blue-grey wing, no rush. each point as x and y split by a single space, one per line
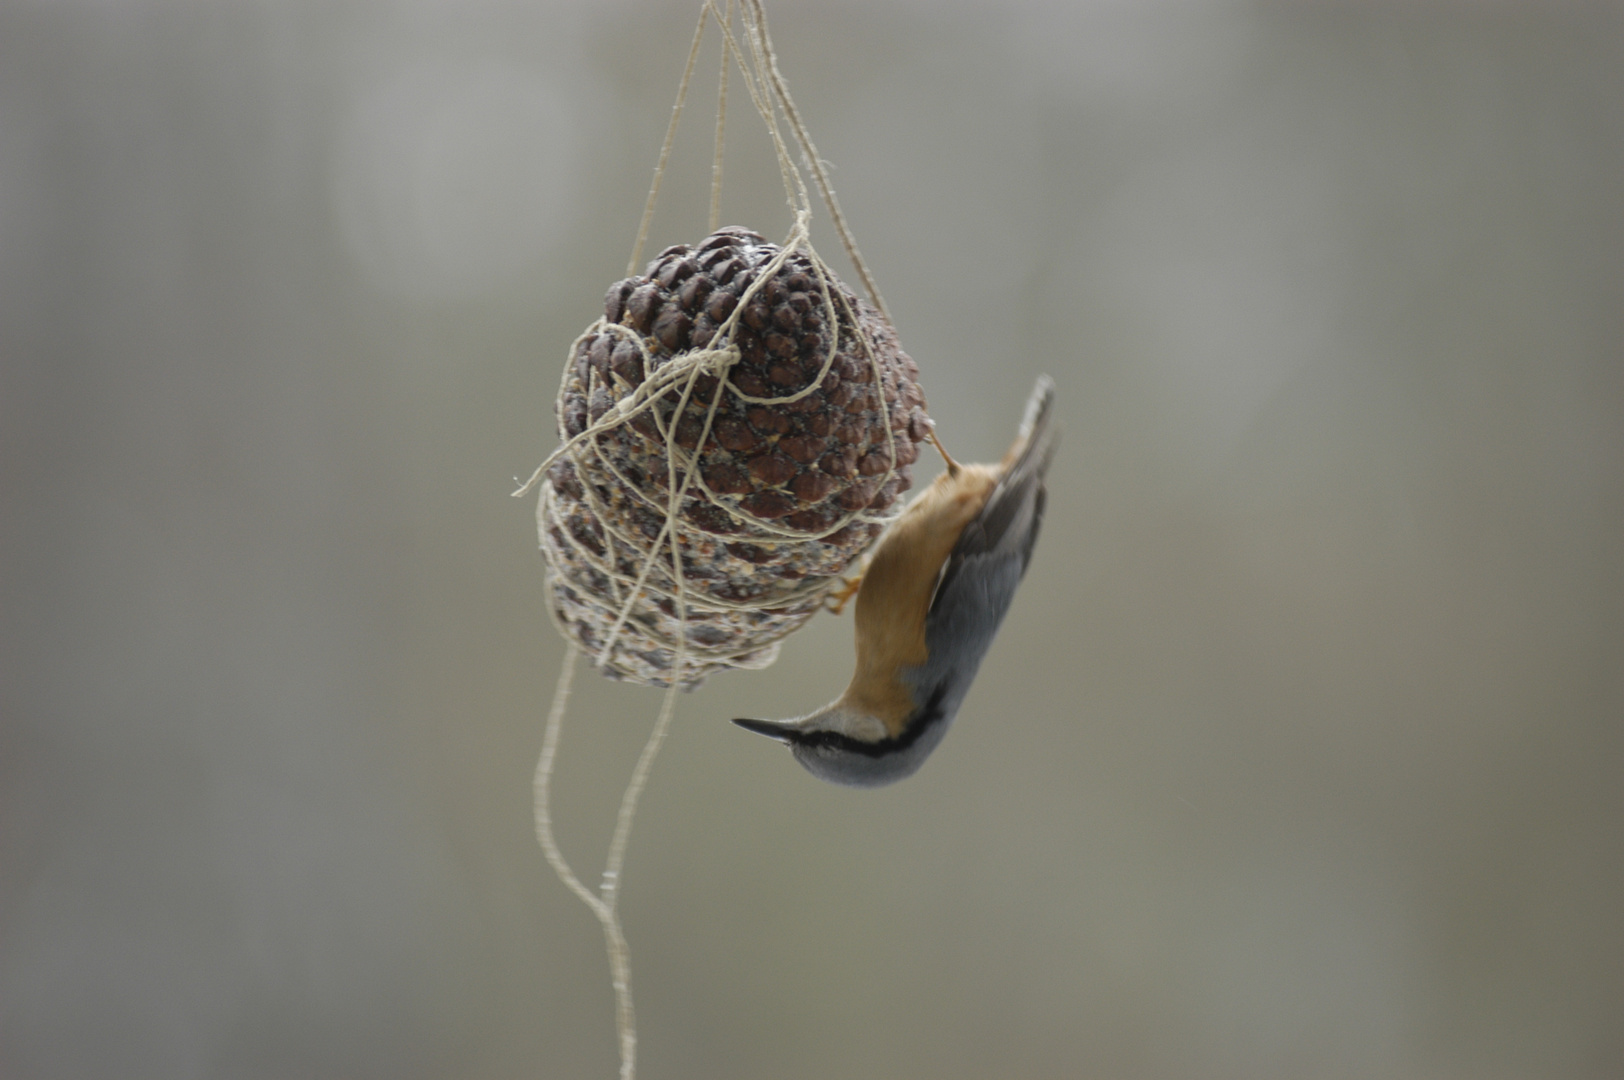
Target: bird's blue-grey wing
979 579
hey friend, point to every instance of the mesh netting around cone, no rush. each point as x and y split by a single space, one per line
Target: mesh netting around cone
738 403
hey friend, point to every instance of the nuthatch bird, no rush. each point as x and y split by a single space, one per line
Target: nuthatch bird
930 601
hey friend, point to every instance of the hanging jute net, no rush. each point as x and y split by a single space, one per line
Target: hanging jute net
736 428
735 432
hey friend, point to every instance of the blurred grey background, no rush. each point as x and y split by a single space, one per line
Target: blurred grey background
1299 754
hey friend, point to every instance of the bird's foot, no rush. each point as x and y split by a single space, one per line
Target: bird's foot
835 600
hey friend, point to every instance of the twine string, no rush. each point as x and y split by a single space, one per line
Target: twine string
820 174
605 903
721 127
665 147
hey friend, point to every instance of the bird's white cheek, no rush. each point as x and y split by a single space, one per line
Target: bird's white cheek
847 722
863 727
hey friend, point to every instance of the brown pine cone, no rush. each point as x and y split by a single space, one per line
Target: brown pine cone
769 467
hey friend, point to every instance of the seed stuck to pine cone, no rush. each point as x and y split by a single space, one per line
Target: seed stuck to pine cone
800 450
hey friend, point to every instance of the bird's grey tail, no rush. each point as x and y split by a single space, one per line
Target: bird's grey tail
1014 509
1000 538
1034 447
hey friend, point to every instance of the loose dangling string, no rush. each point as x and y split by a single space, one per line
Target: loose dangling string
605 903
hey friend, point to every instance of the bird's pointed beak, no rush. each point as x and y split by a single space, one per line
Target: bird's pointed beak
773 729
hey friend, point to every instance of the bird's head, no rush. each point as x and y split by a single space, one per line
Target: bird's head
848 747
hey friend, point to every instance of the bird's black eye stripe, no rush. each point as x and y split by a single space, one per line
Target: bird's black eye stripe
920 722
